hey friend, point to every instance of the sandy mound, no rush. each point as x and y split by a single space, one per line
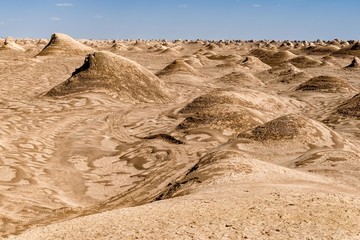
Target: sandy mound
247 98
228 166
328 84
352 49
157 48
293 78
140 44
355 46
284 69
283 73
283 128
239 79
288 73
62 44
350 108
221 117
118 47
211 99
218 110
323 50
355 63
171 51
341 165
305 62
227 61
212 46
233 110
105 71
328 159
179 67
203 59
253 63
218 57
193 61
273 58
280 57
290 136
11 45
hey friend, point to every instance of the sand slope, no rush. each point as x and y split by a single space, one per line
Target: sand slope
62 44
109 72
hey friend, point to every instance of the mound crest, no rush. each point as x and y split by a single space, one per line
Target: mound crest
218 110
285 73
171 51
355 46
322 50
221 117
254 63
284 69
353 49
118 47
62 44
283 128
105 71
292 133
305 62
179 67
235 110
273 58
328 84
9 44
350 108
241 79
355 63
209 100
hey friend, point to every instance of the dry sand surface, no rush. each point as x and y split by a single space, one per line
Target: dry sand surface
115 139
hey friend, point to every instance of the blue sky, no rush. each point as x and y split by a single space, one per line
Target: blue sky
182 19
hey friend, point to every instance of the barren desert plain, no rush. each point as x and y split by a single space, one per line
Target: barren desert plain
185 139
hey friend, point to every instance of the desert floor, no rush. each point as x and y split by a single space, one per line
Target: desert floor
115 139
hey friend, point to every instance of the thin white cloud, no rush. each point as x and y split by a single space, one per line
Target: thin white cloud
64 4
55 19
256 5
183 6
98 17
2 23
14 19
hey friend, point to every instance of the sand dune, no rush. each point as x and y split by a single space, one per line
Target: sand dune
183 139
11 45
350 108
326 84
304 62
254 63
179 67
232 111
62 44
355 63
288 128
105 71
273 57
239 79
285 73
323 50
352 49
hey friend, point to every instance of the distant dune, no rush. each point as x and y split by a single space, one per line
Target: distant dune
62 44
11 45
